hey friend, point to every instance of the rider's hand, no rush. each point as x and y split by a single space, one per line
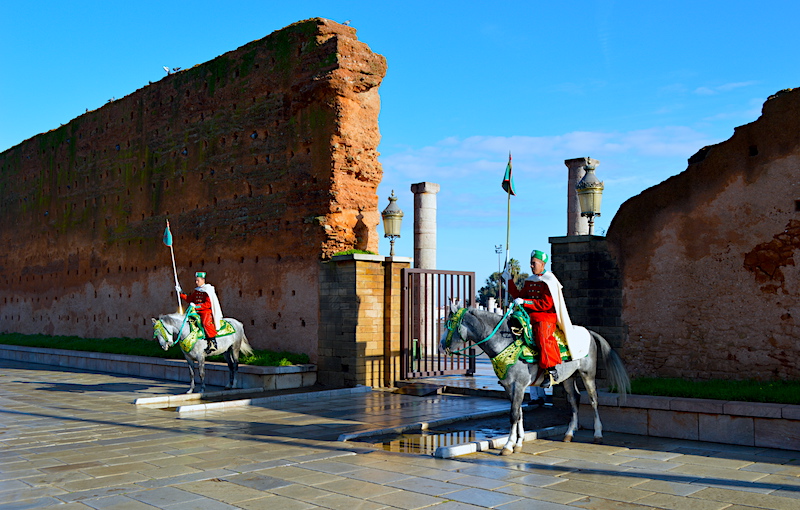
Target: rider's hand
178 289
506 275
519 301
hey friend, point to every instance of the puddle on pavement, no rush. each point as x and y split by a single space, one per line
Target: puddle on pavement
427 441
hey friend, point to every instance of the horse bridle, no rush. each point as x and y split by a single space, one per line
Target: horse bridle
454 322
173 338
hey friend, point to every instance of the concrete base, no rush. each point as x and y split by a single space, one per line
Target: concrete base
266 378
716 421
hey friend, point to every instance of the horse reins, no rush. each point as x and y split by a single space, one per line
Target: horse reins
173 338
455 321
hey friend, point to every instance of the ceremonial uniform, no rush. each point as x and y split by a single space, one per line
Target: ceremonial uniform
202 305
206 304
539 303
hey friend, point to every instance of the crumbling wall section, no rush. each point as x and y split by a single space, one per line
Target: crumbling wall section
709 257
264 160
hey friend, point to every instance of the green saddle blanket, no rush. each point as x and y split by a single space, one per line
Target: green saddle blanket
524 348
196 331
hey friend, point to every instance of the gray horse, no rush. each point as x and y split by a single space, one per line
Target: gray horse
173 328
476 327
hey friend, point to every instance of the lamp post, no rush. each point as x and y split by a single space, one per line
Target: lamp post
392 220
590 195
498 249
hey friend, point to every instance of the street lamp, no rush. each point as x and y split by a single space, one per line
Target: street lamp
590 195
392 220
498 249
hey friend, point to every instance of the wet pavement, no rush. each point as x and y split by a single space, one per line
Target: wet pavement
74 439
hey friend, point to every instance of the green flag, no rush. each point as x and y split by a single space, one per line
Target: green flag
167 236
508 179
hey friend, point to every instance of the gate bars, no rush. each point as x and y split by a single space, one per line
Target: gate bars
425 302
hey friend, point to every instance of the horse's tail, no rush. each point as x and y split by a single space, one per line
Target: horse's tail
617 375
245 347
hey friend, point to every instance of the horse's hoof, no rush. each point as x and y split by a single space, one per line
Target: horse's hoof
518 449
505 452
568 438
598 440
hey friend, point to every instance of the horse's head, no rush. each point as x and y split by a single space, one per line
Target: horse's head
456 334
163 332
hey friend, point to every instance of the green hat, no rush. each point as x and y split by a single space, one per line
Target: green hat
536 254
201 274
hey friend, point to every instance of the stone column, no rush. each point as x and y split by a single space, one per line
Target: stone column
425 224
577 225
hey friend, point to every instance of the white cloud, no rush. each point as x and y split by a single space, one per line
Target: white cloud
476 155
709 91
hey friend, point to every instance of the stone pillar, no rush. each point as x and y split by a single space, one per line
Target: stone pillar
425 224
577 225
592 284
592 287
359 328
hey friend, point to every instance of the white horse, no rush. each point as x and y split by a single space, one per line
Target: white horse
174 328
468 327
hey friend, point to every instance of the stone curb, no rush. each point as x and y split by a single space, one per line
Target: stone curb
296 397
250 376
448 452
422 425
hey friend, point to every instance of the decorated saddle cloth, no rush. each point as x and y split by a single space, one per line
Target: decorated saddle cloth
524 347
196 331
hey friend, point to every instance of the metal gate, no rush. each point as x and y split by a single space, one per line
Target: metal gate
425 298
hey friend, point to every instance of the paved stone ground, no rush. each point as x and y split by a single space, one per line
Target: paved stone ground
71 439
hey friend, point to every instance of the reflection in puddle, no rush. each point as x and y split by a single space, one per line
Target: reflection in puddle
427 441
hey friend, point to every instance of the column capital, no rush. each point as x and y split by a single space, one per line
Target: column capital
425 187
580 162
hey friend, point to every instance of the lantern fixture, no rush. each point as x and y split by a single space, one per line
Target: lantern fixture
590 195
392 221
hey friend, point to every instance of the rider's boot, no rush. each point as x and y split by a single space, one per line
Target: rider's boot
211 345
550 377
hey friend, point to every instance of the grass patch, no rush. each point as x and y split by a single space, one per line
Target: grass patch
142 347
777 392
353 251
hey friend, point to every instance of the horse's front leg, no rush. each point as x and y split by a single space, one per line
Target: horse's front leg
201 370
520 432
516 393
573 398
190 363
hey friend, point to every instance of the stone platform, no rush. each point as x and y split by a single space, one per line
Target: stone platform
73 439
719 421
266 378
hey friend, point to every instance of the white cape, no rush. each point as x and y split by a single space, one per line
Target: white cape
216 311
578 337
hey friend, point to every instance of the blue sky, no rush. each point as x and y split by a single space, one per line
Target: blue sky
640 86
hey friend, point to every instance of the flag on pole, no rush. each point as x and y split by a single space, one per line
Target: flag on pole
508 179
167 236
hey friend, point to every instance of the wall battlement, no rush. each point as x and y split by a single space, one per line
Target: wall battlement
264 160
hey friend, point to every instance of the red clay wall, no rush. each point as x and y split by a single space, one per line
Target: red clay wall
710 283
264 160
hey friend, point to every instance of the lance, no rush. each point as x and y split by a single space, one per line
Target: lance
508 186
168 242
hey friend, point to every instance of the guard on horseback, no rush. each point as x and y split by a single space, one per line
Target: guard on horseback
206 304
542 299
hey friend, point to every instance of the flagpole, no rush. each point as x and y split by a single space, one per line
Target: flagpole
508 238
175 272
509 191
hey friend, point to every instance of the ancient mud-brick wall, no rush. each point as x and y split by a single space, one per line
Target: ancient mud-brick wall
264 160
711 286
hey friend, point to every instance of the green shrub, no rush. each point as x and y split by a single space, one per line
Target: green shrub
779 392
142 347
